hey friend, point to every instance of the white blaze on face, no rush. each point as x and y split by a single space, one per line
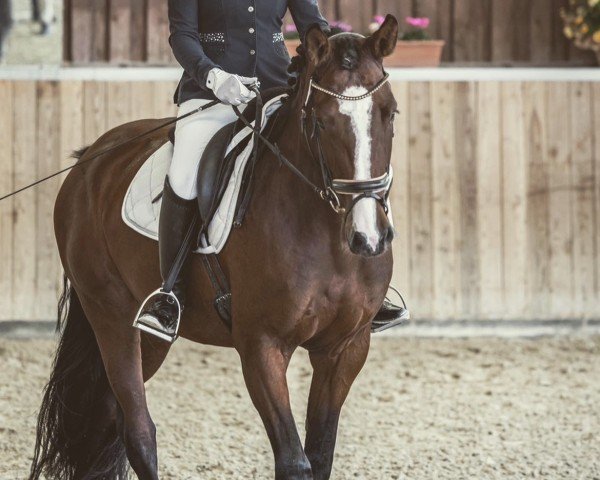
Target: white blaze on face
364 214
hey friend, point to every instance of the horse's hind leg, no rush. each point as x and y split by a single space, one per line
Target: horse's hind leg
120 347
264 364
334 372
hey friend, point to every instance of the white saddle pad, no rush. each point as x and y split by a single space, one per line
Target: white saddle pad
141 214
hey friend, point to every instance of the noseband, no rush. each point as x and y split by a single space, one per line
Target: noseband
375 188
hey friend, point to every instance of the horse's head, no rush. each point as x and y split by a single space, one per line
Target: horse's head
354 134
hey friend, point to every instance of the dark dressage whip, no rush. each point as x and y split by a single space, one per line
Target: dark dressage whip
114 147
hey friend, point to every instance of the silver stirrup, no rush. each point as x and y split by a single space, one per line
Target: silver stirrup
405 317
150 324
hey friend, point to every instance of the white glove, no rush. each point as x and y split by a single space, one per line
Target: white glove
229 88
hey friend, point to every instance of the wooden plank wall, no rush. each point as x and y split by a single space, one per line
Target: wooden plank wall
496 199
42 123
121 32
476 31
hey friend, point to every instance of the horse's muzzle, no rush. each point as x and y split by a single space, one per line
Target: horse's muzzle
359 244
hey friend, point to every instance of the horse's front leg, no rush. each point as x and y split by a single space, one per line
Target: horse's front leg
334 372
264 363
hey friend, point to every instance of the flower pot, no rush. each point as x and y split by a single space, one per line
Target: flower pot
588 44
291 46
417 53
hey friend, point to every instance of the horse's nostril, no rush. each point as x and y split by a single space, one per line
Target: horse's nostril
389 236
359 241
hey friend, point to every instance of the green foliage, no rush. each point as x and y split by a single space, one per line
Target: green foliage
415 35
291 35
582 23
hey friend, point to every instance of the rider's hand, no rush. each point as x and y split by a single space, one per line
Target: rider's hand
229 88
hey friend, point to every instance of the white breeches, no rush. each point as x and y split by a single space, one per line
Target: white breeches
47 11
192 134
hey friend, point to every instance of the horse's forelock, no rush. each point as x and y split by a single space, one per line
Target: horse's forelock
347 46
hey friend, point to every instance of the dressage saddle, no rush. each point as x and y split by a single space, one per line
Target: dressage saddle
216 166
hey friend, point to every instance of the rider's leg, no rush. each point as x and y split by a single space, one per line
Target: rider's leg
191 137
390 315
179 207
176 215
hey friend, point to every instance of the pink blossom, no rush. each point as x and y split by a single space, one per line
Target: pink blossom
343 26
419 22
379 19
290 28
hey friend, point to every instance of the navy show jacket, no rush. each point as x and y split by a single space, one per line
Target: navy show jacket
239 36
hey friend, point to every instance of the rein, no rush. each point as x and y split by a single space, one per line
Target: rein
331 188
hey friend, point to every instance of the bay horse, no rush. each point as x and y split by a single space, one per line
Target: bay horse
300 276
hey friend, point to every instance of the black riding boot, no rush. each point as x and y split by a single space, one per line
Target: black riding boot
390 315
160 313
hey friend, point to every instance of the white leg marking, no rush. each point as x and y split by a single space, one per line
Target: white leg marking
364 215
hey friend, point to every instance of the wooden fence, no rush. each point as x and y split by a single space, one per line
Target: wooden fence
496 199
481 31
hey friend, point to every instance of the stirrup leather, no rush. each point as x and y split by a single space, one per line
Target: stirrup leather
148 322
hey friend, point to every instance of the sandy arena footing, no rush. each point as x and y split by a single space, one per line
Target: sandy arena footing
421 409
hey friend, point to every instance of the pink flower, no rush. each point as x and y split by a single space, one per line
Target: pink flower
343 26
379 19
290 28
418 22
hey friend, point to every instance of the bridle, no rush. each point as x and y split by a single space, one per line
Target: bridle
331 189
376 188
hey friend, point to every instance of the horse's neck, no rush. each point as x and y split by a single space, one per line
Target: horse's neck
277 186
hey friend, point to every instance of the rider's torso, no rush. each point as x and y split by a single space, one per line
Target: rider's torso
242 37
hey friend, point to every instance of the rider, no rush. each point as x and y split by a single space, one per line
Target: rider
224 52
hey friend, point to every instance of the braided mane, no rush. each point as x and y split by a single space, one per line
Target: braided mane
295 68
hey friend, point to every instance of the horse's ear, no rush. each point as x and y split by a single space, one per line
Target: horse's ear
316 45
383 41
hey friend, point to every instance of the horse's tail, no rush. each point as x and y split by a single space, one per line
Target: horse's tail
67 446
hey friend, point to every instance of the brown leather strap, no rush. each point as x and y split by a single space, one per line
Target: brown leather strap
243 206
